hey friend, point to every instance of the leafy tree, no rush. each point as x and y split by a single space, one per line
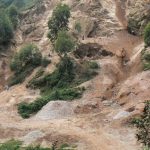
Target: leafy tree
58 21
13 15
147 35
64 43
143 125
6 29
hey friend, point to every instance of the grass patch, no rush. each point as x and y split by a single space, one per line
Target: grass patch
17 145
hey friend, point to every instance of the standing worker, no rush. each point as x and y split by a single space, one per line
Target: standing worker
123 57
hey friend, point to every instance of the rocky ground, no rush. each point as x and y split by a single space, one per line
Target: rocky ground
99 120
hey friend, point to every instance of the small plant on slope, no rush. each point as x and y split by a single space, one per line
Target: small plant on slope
143 125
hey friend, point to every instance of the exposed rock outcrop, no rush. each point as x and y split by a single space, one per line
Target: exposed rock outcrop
138 15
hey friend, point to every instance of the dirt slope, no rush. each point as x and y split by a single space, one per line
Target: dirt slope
97 120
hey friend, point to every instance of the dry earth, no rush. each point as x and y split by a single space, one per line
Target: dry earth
97 121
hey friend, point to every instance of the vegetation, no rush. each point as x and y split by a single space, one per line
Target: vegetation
6 29
27 109
147 35
20 4
143 125
58 21
13 15
28 58
61 84
78 27
17 145
146 59
64 43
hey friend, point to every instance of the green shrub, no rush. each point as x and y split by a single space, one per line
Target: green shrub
78 27
29 55
20 77
143 125
146 59
147 35
13 15
10 145
6 29
64 43
93 65
60 78
45 62
58 21
23 63
32 82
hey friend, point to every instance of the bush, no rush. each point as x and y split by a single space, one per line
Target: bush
45 62
146 59
23 63
6 29
29 55
10 145
78 27
93 65
64 43
58 21
143 125
60 78
147 35
13 15
20 77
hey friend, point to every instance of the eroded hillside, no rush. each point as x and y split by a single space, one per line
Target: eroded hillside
98 120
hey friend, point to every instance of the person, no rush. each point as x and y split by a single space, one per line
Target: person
49 55
124 59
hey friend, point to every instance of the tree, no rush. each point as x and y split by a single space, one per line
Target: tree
147 35
64 43
13 15
59 21
143 125
6 29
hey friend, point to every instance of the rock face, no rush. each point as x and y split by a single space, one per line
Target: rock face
138 15
55 110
